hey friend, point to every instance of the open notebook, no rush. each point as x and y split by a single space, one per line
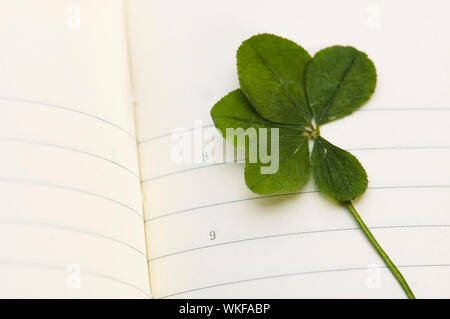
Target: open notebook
91 204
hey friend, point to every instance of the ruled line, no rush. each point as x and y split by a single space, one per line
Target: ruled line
65 108
68 228
157 137
279 195
57 186
187 170
37 265
295 274
397 109
287 235
146 180
67 148
224 203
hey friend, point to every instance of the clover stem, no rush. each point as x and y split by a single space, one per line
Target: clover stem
394 270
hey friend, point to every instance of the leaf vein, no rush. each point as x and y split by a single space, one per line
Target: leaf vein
282 162
336 89
278 79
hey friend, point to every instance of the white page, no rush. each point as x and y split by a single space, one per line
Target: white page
183 55
71 211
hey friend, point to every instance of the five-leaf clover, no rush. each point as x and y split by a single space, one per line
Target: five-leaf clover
282 87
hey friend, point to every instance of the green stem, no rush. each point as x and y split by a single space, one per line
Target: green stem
394 270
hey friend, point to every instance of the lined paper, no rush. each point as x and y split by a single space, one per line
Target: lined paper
71 221
298 245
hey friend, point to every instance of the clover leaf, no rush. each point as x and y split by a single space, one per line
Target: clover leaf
282 87
336 172
235 111
271 74
339 80
284 98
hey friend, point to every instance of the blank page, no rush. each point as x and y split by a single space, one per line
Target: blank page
209 236
71 214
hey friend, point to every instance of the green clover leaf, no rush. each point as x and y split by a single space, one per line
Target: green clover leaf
283 87
271 74
235 111
336 172
339 81
287 95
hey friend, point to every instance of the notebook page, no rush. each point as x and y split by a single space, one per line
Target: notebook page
71 215
211 237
